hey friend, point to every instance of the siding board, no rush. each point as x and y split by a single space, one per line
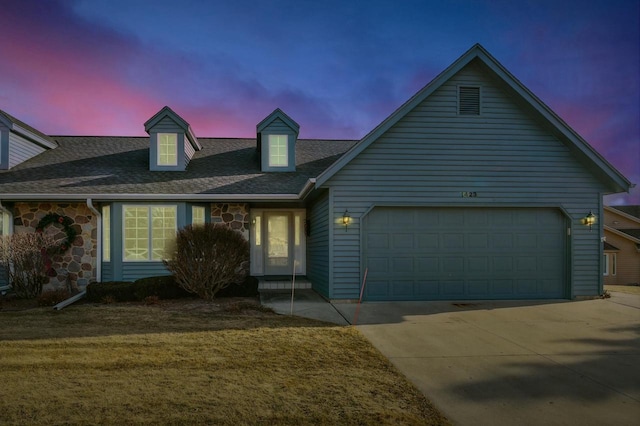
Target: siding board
20 149
318 245
430 156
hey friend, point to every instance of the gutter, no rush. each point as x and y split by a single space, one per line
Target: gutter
155 197
308 187
69 301
98 240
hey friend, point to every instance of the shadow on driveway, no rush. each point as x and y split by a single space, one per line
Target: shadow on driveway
504 363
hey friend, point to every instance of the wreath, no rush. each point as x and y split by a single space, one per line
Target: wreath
66 223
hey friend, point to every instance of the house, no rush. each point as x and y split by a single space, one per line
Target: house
472 189
621 246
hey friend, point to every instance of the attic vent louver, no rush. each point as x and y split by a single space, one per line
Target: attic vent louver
468 100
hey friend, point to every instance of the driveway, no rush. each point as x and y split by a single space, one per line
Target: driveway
506 363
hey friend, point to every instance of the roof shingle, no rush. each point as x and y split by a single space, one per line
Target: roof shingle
120 165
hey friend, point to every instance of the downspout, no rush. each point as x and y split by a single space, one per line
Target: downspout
98 240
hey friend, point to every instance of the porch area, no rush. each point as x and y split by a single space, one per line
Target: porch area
301 283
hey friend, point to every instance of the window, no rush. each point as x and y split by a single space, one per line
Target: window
614 261
148 232
278 151
610 264
4 223
197 215
106 233
167 149
468 100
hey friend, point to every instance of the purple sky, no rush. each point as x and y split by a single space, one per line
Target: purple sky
103 67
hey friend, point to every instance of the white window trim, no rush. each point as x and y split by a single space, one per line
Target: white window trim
175 153
256 234
6 223
106 233
149 230
286 150
610 264
204 214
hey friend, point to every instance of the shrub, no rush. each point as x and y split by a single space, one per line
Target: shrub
151 300
247 288
163 287
107 300
209 258
53 297
24 256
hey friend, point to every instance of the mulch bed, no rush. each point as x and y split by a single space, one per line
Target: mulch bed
244 305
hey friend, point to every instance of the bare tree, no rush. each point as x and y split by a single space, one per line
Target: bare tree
26 260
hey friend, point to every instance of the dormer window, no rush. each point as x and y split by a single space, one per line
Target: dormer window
167 149
276 139
172 143
278 151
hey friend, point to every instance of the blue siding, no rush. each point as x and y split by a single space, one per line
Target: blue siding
318 245
107 271
432 155
20 150
132 271
4 278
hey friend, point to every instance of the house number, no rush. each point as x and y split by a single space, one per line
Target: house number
468 194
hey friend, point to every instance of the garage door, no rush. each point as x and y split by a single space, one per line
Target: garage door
464 253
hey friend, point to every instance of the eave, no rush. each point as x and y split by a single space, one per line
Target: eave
627 216
617 182
621 234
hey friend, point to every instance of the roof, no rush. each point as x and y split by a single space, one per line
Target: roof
118 167
616 181
278 113
630 210
629 234
24 126
168 112
607 246
635 233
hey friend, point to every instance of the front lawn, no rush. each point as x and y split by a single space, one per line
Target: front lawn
191 361
631 289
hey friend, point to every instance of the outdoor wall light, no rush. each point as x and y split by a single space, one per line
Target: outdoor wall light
346 219
589 220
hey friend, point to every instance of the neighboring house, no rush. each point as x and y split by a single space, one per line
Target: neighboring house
621 262
473 189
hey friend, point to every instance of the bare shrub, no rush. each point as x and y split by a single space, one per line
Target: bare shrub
208 258
151 300
25 258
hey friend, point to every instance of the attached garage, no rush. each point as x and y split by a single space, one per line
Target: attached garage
455 253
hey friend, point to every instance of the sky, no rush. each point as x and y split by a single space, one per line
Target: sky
338 68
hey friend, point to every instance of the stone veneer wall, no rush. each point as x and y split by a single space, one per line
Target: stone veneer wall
76 267
234 215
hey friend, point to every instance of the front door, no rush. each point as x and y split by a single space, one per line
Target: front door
279 248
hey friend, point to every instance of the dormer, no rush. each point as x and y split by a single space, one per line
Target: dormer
172 143
20 142
277 136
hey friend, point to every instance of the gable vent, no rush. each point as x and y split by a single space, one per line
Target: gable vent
468 100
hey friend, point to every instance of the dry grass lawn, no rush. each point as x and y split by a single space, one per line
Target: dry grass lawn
631 289
193 362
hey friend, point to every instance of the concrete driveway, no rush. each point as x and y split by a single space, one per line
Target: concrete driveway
506 363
